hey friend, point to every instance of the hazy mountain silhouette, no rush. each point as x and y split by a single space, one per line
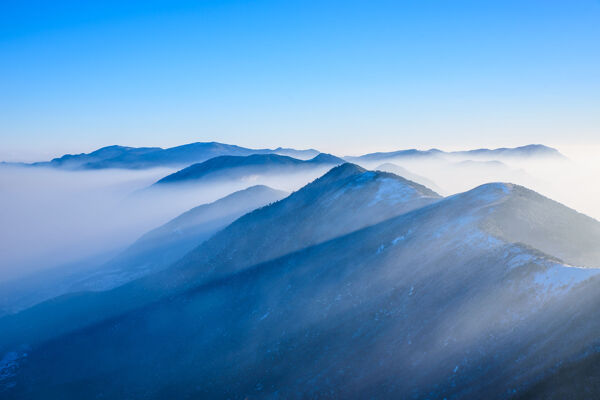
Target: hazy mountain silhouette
152 252
164 245
148 157
523 152
238 167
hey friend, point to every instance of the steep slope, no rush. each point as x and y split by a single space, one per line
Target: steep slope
345 199
149 157
320 211
154 251
237 167
527 217
425 304
576 379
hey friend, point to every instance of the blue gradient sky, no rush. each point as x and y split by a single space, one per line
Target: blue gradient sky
342 76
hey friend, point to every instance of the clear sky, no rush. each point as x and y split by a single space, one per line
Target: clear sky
341 76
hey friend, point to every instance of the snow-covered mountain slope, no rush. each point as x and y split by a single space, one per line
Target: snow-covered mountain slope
345 199
444 301
525 216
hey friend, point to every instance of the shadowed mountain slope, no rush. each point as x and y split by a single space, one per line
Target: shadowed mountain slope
345 199
431 303
320 211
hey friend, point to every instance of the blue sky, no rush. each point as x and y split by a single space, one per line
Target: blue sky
341 76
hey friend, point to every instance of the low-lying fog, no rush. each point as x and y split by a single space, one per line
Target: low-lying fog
52 217
574 181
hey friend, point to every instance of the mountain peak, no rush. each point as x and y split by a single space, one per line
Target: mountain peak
322 209
342 171
325 158
516 214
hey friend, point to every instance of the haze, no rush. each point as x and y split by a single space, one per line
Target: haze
53 217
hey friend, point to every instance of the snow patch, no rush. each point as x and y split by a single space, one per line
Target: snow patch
520 259
355 184
398 239
401 238
393 191
264 316
563 277
483 195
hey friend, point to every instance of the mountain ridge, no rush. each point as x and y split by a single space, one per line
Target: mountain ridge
327 199
116 156
427 301
527 151
239 166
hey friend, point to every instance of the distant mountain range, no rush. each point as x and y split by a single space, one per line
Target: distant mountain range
185 155
523 152
237 167
362 284
149 157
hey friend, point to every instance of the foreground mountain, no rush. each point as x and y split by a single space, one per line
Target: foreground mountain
240 167
345 199
150 157
448 300
154 251
320 211
524 152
